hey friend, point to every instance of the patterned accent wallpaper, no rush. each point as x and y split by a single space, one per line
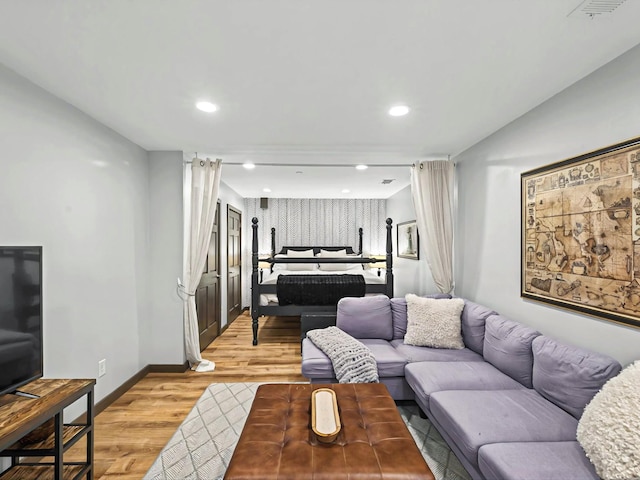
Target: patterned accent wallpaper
304 221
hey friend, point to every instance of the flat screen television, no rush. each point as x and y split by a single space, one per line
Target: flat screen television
21 356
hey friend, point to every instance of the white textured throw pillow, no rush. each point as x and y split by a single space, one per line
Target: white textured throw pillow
301 266
609 429
434 322
332 254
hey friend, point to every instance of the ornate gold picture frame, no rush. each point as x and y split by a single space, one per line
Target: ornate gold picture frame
581 233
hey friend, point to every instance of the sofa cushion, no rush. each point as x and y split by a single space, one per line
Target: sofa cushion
399 317
473 321
611 423
474 418
352 361
315 364
426 378
390 362
365 317
569 376
428 354
507 346
434 323
399 314
539 460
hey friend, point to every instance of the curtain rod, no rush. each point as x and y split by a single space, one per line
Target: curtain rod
333 165
351 165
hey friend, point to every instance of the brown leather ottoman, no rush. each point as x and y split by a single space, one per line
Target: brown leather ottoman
277 441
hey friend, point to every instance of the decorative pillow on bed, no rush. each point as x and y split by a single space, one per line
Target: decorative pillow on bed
355 266
434 322
331 254
279 266
301 266
609 429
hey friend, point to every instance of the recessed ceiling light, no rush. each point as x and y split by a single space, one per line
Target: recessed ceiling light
266 190
346 190
206 107
398 110
248 165
361 167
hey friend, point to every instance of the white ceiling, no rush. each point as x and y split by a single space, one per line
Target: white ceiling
309 81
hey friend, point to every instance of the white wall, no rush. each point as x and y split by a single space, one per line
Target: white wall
410 276
162 332
229 197
600 110
81 191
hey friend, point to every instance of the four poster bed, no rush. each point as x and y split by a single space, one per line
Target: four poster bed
312 279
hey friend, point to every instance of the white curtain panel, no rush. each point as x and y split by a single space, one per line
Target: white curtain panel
308 222
432 185
205 185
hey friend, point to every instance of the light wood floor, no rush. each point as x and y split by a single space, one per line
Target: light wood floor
130 433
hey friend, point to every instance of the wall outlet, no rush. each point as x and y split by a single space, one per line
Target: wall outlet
102 367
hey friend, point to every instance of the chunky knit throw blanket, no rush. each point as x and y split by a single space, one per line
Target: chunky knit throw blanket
352 361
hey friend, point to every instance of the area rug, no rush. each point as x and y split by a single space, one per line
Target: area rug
202 446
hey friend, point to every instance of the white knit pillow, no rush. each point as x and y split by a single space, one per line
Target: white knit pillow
301 266
335 254
609 429
434 322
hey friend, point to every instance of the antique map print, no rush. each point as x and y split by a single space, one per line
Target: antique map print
581 234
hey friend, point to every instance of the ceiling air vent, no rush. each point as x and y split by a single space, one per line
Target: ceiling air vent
387 181
593 8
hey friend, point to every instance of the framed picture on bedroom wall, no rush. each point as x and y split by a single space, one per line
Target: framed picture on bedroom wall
581 233
408 241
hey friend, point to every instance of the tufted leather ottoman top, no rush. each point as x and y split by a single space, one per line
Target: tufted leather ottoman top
277 441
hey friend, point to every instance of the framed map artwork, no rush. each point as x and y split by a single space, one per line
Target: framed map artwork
581 233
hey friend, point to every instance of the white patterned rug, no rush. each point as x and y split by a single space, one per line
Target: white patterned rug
202 446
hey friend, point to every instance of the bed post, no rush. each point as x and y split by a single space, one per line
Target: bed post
255 294
273 247
360 241
389 277
273 242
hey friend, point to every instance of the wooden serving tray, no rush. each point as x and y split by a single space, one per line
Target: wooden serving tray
325 419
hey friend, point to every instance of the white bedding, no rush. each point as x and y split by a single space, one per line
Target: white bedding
370 276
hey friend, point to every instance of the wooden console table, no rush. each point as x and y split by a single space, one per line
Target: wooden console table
21 415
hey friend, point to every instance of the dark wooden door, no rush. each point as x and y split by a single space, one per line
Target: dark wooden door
234 263
208 292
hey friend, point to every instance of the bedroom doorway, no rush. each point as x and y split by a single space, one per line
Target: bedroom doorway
234 264
208 291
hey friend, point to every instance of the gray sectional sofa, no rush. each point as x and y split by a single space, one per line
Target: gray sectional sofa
508 404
